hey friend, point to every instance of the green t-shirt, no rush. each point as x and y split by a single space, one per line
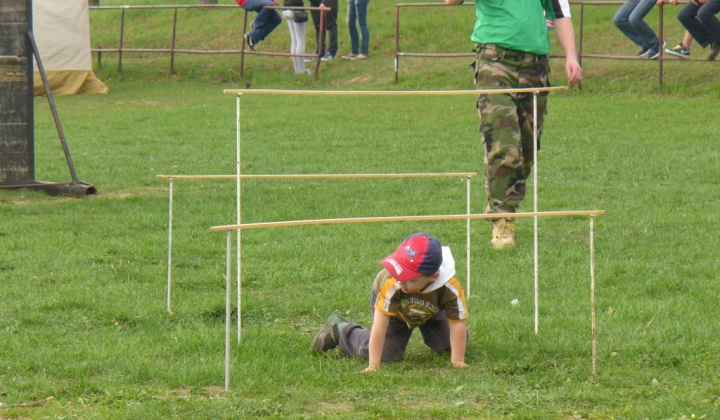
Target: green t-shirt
517 24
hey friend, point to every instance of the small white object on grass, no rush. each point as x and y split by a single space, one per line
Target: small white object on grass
515 303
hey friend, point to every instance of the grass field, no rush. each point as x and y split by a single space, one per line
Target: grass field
83 315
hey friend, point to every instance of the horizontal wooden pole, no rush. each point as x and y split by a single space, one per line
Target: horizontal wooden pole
430 55
244 226
320 176
391 92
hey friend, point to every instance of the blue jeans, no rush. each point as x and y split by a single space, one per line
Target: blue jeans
357 11
629 19
706 28
265 22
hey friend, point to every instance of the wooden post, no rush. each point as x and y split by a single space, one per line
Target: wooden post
17 162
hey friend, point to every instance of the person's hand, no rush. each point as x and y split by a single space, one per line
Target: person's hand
574 71
459 364
371 369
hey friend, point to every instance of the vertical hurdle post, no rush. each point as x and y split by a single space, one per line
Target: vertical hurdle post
170 226
535 208
592 295
239 271
228 308
467 240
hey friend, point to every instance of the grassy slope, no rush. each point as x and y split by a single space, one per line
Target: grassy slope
83 315
422 30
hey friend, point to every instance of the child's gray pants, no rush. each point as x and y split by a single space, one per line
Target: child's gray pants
354 339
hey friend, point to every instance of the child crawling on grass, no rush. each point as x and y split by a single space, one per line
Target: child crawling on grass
416 289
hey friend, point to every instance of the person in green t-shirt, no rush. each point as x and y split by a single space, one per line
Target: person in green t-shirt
513 50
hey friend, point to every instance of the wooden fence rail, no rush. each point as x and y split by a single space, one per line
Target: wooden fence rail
173 49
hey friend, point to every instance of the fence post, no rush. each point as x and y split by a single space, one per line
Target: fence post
397 41
172 45
242 51
122 32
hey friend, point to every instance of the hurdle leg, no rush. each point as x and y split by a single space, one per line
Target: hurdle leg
535 209
592 296
170 227
467 239
239 271
228 308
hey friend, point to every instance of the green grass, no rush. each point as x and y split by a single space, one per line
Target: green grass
83 311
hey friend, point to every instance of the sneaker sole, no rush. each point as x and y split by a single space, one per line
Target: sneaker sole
676 54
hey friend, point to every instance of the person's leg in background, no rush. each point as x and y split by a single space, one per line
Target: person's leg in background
352 30
362 6
687 16
706 16
265 22
331 28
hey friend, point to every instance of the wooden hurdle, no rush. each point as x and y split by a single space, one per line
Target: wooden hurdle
591 214
535 214
534 91
171 182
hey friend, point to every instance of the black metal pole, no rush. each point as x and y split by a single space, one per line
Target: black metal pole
53 108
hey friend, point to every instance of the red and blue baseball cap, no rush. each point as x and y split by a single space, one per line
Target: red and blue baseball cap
420 253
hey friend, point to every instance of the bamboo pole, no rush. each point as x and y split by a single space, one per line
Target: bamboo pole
401 219
392 92
592 297
536 280
228 308
238 192
170 227
323 176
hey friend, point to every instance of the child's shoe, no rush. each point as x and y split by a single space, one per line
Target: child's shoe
329 336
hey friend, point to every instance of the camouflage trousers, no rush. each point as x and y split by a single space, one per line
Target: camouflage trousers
506 121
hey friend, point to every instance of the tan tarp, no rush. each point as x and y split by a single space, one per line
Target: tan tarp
62 34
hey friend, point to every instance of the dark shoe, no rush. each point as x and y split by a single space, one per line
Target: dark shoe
714 50
249 42
327 56
329 336
644 52
678 51
655 53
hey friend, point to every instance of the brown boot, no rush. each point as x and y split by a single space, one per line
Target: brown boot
503 234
